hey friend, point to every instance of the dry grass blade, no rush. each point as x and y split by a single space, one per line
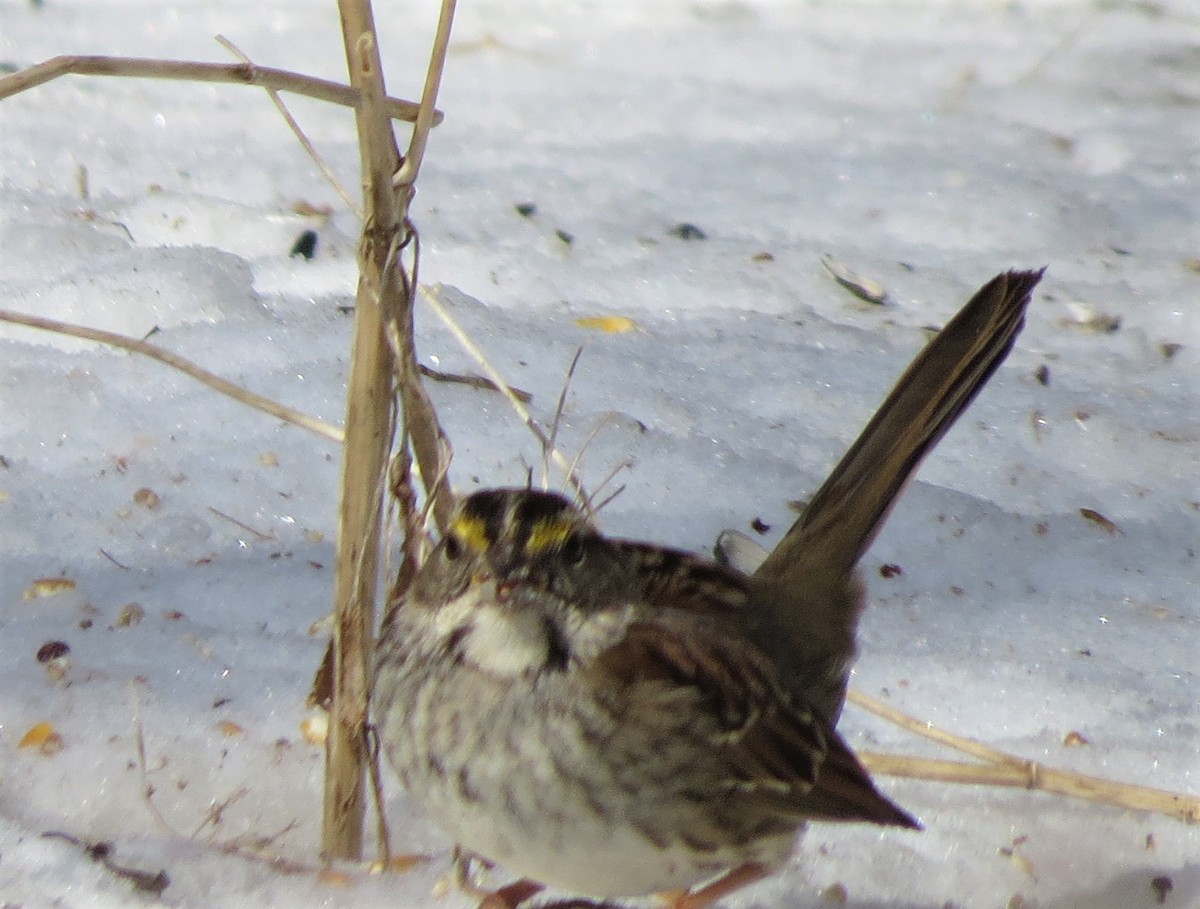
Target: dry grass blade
423 430
427 115
1032 775
330 177
611 418
927 730
186 71
1003 769
433 299
199 373
556 423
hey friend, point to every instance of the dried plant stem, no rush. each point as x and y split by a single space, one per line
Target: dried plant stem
199 373
430 445
1003 769
383 306
368 441
181 70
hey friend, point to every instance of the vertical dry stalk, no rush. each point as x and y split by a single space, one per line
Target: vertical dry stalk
384 299
368 441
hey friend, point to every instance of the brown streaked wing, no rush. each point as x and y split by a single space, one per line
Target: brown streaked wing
845 792
784 759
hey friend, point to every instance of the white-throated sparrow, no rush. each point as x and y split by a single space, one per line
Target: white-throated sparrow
615 718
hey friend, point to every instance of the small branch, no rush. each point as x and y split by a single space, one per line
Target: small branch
180 70
199 373
139 736
473 381
215 813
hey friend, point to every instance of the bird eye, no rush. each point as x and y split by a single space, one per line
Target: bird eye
573 549
452 547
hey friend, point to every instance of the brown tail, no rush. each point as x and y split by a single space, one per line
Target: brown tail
808 578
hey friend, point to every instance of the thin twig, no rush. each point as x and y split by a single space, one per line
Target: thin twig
300 135
213 816
232 847
109 556
464 340
411 165
1032 775
597 507
603 503
246 527
383 836
181 70
612 418
199 373
556 423
454 378
139 738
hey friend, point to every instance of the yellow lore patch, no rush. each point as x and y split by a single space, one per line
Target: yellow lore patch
472 532
548 533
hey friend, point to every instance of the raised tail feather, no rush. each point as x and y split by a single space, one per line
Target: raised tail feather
807 581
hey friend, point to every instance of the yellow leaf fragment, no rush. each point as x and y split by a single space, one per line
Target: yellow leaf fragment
37 734
230 728
47 587
612 325
42 736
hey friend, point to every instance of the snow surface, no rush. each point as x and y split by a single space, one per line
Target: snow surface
927 145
